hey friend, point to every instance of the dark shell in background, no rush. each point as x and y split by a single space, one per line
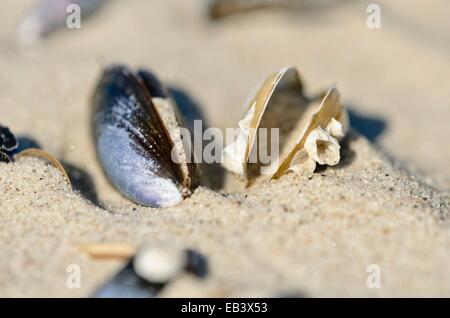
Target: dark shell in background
47 16
4 157
8 143
128 283
131 140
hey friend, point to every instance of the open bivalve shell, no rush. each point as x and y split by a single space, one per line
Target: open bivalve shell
283 125
136 132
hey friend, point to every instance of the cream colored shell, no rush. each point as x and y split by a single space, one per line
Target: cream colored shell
310 129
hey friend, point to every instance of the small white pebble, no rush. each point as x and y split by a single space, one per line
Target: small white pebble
159 264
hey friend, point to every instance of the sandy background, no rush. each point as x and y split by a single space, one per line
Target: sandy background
387 203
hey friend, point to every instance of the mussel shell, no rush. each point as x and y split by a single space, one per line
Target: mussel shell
157 90
4 157
131 140
127 284
8 141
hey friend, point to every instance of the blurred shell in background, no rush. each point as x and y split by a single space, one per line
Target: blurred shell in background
223 8
47 16
8 143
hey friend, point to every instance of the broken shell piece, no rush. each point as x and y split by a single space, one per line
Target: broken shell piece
137 137
9 145
298 131
108 250
322 147
42 154
302 163
222 8
335 128
328 149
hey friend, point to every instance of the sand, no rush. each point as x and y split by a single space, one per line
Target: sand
387 203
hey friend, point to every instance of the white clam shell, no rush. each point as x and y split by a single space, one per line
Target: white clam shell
310 130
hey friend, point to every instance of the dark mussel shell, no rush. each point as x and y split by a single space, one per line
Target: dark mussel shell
4 157
8 143
132 141
151 269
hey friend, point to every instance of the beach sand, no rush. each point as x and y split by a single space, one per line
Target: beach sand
386 203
